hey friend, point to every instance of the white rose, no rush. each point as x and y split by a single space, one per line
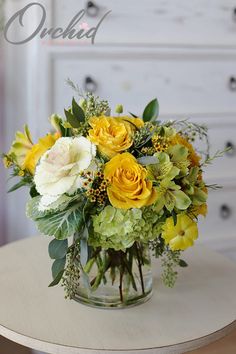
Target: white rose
59 169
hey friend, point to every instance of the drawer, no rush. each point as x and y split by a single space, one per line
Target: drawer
186 86
221 137
196 22
220 223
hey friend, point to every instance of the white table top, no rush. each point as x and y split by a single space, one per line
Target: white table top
200 309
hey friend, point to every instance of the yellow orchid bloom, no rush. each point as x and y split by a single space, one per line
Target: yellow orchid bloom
182 235
21 146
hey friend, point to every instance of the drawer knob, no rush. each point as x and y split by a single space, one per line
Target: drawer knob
90 84
232 83
92 9
225 211
231 146
234 14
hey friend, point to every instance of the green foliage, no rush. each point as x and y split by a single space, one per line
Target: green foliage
60 224
151 111
57 249
32 209
58 266
170 261
18 185
33 192
77 111
74 122
182 263
71 276
148 160
57 279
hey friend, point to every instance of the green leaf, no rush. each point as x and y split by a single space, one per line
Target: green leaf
199 197
58 266
77 111
169 201
148 160
57 249
61 224
174 216
32 211
133 115
57 279
22 183
33 192
74 122
182 263
151 111
182 200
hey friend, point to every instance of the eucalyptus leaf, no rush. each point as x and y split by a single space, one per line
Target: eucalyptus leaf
77 111
148 160
84 247
182 263
57 279
151 111
58 266
74 122
57 249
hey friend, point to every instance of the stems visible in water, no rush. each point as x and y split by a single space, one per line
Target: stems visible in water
121 284
140 268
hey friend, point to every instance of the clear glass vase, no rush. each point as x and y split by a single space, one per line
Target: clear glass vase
115 278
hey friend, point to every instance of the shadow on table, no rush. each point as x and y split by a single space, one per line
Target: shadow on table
8 347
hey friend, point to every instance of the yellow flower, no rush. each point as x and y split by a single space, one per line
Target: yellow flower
199 210
193 156
113 135
128 186
181 235
7 161
36 152
20 146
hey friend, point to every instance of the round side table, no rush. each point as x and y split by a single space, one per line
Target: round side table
200 309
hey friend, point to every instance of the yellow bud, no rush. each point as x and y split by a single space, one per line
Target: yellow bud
21 173
7 162
119 109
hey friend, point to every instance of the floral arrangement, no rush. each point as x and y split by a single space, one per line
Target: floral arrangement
119 184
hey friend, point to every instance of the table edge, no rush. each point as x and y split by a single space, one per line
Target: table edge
178 348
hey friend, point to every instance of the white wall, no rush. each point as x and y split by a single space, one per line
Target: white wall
2 138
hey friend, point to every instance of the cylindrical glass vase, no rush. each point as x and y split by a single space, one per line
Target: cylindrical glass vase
116 278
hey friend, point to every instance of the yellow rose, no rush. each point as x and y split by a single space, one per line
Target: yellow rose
37 151
128 185
113 135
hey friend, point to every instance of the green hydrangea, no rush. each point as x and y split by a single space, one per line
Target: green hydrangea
119 228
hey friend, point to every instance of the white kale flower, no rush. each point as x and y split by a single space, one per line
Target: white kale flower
59 170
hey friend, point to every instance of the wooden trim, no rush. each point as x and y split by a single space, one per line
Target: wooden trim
179 348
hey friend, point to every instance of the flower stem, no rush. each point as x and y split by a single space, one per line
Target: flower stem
121 285
140 268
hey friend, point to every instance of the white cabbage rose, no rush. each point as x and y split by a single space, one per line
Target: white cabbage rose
59 170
